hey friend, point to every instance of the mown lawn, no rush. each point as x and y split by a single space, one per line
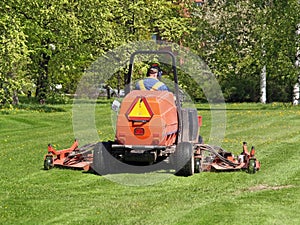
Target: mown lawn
30 195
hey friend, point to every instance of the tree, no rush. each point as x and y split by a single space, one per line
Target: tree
280 43
238 38
13 56
64 37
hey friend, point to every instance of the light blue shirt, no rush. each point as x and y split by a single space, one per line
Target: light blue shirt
151 84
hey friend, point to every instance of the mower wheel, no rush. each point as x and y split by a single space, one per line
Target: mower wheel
252 166
197 165
48 162
185 159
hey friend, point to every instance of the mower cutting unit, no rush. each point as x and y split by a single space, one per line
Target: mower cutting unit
214 158
73 157
153 129
206 158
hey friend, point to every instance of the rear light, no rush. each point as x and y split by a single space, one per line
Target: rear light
139 131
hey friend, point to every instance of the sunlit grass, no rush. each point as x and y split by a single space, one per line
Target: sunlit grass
30 195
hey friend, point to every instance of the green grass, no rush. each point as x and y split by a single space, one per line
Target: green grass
30 195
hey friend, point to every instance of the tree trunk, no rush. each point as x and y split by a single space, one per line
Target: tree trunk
15 98
296 94
263 85
42 82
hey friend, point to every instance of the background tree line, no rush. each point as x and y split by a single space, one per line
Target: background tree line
45 43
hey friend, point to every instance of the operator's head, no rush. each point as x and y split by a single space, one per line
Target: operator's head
154 69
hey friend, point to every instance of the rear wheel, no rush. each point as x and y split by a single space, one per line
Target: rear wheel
185 159
99 162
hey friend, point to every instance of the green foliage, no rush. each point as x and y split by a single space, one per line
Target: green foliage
280 48
48 43
13 56
237 38
64 37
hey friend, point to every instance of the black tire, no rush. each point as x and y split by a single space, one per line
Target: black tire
200 140
252 166
185 163
197 165
48 162
100 152
189 125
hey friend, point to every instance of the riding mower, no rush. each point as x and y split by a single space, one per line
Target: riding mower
153 132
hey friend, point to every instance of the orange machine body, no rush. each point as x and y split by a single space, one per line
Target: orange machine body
147 118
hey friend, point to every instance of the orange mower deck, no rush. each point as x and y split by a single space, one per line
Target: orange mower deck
207 158
73 157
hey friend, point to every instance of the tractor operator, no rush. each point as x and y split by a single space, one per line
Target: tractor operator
152 82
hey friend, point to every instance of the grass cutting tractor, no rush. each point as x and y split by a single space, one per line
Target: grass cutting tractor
153 132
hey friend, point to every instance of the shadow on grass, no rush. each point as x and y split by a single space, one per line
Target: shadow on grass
31 107
249 107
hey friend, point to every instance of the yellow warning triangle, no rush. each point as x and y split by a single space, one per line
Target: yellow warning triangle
140 110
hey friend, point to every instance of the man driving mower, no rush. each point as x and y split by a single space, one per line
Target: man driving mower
152 82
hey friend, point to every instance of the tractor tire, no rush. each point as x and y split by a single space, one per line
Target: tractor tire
100 152
189 125
185 163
